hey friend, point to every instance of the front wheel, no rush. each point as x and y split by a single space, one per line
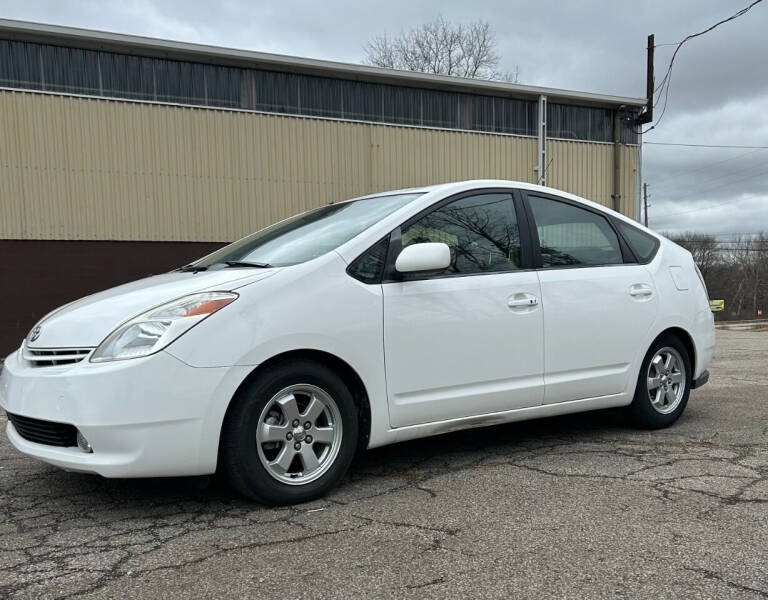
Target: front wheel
290 435
663 385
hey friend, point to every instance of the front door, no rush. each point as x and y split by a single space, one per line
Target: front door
467 341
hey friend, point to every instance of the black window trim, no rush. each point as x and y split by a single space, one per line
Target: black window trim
530 249
627 254
396 245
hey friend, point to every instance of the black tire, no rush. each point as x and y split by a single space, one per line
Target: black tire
239 454
642 412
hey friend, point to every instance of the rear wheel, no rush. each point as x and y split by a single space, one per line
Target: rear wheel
663 385
290 435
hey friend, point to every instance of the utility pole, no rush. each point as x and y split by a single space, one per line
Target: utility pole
647 115
645 202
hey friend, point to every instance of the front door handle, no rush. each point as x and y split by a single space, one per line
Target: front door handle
522 301
640 290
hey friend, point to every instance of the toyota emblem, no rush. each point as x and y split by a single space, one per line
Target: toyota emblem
35 333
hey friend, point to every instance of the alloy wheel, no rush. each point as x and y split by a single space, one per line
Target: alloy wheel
299 434
666 380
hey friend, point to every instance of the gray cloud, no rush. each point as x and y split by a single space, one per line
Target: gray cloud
719 90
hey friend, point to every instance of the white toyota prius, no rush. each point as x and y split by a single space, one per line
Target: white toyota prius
384 318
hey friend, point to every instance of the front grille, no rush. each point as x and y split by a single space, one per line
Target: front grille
44 432
52 357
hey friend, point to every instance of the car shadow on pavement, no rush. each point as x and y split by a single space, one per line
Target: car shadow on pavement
487 439
447 451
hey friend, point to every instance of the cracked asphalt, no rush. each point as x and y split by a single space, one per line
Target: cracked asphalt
578 506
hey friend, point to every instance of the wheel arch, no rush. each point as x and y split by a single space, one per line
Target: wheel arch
687 341
342 368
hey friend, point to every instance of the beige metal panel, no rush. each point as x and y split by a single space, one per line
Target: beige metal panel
629 191
91 169
581 168
415 157
586 169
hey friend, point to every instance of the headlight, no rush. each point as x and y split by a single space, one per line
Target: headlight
153 330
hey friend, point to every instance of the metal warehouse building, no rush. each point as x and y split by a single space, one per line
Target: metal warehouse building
122 156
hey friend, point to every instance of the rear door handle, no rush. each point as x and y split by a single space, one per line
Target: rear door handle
522 301
640 290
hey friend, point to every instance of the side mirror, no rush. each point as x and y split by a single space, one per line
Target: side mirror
427 256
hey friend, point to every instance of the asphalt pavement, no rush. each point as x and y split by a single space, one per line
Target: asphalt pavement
571 507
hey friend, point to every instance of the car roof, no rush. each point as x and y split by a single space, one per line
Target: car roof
470 184
459 186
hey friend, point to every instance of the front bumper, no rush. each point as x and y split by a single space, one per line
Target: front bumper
148 417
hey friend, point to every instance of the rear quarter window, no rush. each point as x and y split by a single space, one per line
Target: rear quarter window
643 245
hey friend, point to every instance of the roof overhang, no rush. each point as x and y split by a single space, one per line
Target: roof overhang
201 53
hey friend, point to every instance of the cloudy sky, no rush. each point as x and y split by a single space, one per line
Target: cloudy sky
718 95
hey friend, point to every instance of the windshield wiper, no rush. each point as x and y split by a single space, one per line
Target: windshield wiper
242 263
191 268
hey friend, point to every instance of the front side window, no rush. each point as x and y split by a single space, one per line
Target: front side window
309 235
481 232
573 236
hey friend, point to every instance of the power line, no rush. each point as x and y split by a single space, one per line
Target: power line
706 182
764 251
743 234
739 234
665 82
754 237
759 243
685 212
694 35
706 145
722 248
683 172
735 244
717 187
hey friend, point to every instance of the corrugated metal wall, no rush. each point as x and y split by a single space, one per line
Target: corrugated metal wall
91 169
586 169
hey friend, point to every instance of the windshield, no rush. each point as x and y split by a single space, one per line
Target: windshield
308 235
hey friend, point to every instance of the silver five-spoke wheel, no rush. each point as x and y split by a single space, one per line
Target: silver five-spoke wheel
299 434
666 380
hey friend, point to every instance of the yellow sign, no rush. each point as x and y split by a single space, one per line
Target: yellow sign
716 305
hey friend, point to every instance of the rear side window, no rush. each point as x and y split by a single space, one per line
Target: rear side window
481 232
573 236
643 244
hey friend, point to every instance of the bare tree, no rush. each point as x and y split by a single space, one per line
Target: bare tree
441 48
704 247
735 270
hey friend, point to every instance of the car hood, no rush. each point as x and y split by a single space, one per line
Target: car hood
86 322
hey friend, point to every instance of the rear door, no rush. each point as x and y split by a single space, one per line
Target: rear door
466 341
598 302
